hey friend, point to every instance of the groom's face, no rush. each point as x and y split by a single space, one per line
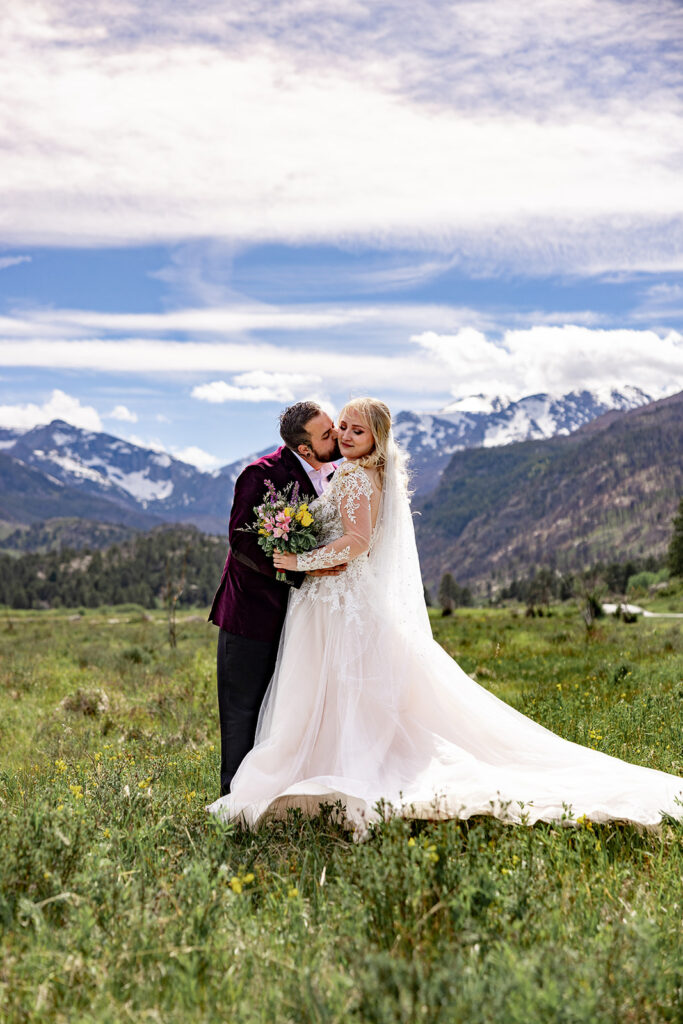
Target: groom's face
323 446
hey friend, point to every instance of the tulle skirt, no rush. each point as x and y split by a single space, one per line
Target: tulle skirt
364 712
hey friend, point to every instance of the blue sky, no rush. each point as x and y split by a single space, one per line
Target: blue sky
207 213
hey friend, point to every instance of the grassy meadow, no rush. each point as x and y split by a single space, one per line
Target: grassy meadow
120 900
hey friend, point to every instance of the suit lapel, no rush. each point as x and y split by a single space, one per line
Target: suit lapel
297 472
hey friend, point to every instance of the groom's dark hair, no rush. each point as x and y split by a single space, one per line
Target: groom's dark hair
293 423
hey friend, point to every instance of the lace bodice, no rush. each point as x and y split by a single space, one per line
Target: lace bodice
345 513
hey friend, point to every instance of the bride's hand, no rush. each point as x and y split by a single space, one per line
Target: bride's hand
284 560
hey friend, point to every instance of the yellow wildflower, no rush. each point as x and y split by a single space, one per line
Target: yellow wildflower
191 795
411 841
248 878
236 884
293 893
60 765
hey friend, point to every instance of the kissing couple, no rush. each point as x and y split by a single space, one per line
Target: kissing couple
331 687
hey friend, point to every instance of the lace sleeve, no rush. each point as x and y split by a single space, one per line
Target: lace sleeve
355 489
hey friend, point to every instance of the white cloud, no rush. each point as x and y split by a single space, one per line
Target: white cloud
558 360
461 362
197 457
122 413
551 140
153 443
258 386
13 261
59 406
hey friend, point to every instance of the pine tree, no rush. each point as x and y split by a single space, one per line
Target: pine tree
446 588
676 546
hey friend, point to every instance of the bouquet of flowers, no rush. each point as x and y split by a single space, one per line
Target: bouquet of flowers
284 523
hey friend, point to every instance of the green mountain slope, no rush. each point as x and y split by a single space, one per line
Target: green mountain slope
608 491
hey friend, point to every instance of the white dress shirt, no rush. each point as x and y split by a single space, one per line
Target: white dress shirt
318 477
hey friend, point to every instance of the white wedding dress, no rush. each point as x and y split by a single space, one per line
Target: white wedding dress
366 708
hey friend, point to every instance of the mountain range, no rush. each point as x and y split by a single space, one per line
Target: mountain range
481 422
606 492
498 483
61 470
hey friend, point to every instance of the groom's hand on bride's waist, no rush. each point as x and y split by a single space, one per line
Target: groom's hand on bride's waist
334 571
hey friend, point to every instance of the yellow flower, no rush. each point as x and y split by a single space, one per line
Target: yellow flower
60 765
411 841
191 795
248 878
289 511
293 893
306 519
262 532
303 507
235 884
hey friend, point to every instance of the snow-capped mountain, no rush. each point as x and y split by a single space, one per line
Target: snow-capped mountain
103 464
131 478
480 421
99 476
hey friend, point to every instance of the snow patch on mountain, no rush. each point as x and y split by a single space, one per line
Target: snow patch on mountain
141 487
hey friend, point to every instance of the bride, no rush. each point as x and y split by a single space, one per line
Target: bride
365 708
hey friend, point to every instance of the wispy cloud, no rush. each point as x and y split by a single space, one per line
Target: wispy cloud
258 386
435 366
544 136
13 261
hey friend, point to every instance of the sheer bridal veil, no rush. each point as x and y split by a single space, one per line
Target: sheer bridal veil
394 562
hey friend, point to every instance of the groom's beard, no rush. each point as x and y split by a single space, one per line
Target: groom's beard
328 457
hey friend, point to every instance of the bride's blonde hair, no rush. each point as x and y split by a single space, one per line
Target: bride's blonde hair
378 418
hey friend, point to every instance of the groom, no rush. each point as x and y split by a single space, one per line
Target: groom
250 604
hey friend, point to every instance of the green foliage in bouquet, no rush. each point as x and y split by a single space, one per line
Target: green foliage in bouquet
284 523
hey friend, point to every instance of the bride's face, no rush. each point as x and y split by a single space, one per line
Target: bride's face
354 435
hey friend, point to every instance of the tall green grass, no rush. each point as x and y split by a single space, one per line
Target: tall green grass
120 900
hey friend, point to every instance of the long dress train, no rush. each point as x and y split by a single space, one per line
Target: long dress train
365 707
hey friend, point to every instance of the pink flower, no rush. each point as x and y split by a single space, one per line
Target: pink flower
283 519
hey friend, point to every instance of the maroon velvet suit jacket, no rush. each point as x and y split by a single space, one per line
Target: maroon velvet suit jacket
250 601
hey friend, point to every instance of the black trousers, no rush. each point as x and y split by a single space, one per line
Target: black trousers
243 668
